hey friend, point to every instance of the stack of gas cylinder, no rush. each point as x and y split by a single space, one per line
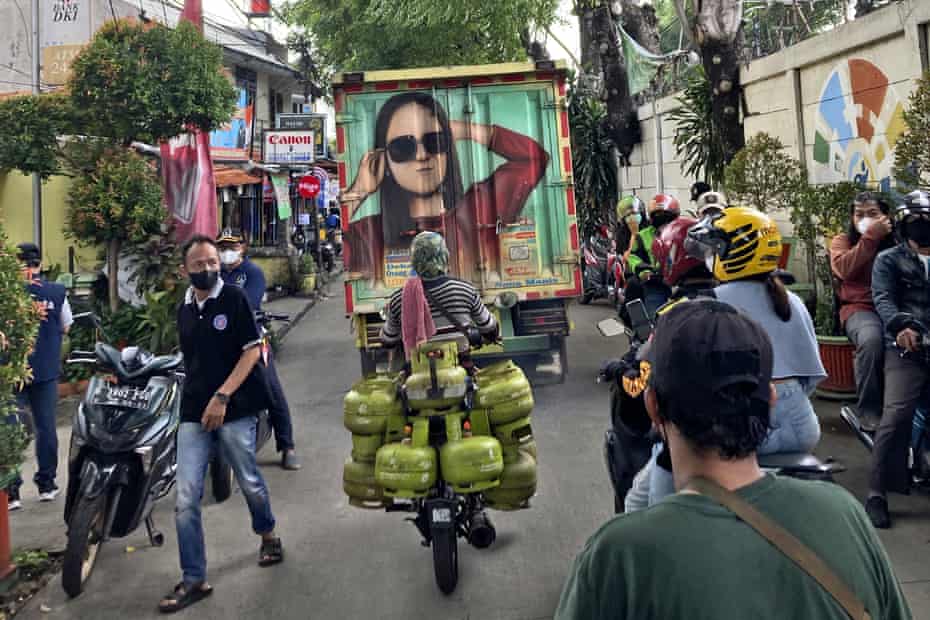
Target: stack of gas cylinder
488 450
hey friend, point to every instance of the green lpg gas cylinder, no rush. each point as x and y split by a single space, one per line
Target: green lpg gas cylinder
517 486
405 471
365 447
514 433
358 482
505 392
436 380
369 403
471 464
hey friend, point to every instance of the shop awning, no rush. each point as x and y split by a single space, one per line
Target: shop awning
227 176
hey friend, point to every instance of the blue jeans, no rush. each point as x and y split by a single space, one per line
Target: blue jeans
236 440
794 428
41 399
279 414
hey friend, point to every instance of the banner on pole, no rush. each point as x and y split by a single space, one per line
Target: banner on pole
282 192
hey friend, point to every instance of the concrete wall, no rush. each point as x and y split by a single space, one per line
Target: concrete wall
835 102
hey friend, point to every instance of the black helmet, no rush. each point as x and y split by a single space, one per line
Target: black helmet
698 188
911 218
915 203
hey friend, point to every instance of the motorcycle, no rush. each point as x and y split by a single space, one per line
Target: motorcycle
306 240
122 457
600 264
629 440
221 473
919 449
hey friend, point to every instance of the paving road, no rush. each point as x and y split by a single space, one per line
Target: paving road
346 563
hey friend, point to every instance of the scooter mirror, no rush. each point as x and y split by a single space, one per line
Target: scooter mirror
611 328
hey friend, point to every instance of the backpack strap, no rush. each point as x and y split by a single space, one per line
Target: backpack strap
787 543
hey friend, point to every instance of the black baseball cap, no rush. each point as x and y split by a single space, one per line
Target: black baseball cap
29 253
701 346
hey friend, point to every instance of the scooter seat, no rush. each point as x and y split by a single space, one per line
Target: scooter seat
155 365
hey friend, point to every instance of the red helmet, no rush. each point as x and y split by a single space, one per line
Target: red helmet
663 209
669 251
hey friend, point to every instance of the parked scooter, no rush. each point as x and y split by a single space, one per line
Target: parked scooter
123 452
919 456
599 265
628 442
304 238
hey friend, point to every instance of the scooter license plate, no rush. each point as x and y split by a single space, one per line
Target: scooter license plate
122 396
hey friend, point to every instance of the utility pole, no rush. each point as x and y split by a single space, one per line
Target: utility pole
36 179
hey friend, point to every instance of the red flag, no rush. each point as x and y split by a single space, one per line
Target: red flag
187 169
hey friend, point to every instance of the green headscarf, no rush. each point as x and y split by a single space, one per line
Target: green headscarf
429 255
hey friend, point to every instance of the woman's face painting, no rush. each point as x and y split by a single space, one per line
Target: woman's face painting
417 151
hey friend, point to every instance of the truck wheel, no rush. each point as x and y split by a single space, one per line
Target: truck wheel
445 559
221 479
85 535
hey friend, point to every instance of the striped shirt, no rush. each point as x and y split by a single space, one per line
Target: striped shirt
459 298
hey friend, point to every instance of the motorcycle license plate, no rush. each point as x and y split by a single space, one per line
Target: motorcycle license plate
122 396
442 515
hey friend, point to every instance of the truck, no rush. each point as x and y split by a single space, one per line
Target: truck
481 154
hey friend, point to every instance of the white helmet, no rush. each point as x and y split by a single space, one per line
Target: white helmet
710 202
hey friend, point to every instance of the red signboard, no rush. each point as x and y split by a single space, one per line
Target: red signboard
260 8
308 187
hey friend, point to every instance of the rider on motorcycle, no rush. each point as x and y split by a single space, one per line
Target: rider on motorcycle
643 276
710 203
900 291
631 218
408 322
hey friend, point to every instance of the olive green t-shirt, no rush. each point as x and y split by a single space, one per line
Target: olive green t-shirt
688 557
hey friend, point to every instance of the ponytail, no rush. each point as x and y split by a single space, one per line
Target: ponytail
779 296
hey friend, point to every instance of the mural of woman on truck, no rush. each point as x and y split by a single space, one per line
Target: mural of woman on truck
414 168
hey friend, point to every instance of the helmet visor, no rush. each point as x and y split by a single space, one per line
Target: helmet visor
705 241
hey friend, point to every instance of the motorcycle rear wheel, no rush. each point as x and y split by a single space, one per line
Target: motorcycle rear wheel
445 559
85 535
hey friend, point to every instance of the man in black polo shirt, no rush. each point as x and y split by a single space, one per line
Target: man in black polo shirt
223 392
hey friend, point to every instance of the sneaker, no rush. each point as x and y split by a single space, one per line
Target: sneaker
50 495
290 460
877 509
13 501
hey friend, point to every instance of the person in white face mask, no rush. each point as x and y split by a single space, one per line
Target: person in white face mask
851 257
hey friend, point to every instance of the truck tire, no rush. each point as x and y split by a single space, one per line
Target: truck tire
85 535
445 559
221 479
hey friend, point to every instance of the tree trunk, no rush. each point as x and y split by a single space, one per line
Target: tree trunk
113 273
717 32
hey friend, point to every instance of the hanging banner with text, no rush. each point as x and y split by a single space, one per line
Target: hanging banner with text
65 29
282 192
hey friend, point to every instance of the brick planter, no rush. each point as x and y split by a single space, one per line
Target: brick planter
838 355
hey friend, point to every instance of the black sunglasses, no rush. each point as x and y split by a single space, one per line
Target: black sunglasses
404 148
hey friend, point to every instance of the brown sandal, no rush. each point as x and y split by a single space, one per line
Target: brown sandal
271 552
183 596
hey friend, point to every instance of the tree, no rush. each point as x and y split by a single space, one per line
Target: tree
912 152
119 201
29 129
763 176
19 324
363 35
696 138
595 172
149 83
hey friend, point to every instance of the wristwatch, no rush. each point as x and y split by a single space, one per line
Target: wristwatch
223 398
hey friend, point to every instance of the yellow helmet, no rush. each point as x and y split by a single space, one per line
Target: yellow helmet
738 243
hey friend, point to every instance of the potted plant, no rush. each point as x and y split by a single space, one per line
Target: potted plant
818 213
19 325
306 272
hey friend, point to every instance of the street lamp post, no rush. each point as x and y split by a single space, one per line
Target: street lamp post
36 179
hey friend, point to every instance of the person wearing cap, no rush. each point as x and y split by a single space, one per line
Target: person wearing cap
710 394
900 290
41 394
238 270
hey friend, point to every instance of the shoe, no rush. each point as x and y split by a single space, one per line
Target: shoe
290 460
877 509
869 423
13 501
50 495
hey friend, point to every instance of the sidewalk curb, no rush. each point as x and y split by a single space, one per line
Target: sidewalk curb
282 333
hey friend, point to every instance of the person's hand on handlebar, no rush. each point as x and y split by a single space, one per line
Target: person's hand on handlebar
908 339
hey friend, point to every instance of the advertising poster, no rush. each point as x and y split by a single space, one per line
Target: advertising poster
480 166
64 30
281 146
233 141
282 192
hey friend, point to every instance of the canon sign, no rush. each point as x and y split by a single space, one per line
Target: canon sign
295 146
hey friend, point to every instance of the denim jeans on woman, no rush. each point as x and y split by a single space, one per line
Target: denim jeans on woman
794 428
236 441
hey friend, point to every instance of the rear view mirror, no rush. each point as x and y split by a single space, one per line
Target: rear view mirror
611 328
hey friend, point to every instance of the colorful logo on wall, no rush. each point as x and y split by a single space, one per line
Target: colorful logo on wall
859 120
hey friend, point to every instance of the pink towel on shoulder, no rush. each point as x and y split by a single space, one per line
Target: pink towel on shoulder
416 319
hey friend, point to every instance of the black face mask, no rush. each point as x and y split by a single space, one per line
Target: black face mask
919 232
204 280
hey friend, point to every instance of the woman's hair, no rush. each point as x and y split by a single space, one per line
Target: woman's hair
395 200
853 233
779 296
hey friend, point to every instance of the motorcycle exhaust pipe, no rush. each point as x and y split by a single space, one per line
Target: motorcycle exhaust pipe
481 534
